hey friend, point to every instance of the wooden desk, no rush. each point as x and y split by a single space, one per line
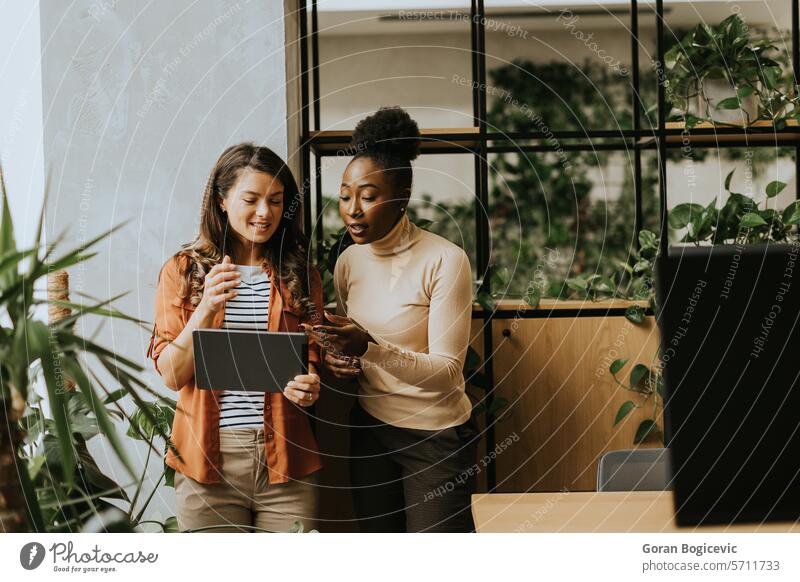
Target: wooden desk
581 512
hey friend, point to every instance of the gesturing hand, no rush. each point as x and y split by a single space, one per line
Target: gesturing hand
219 285
343 336
343 367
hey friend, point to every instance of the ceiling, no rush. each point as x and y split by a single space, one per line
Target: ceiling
347 17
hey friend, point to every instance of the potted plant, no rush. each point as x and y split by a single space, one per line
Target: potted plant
717 73
31 349
741 220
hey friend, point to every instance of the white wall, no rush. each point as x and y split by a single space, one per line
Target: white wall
21 115
140 98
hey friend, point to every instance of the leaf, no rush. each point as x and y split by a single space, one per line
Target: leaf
486 301
775 188
646 428
500 277
95 310
791 214
115 396
32 504
142 426
533 297
617 365
692 121
75 370
604 285
752 220
169 476
577 284
634 314
638 374
7 242
683 214
647 239
100 482
729 103
171 525
623 411
728 180
745 203
625 266
38 341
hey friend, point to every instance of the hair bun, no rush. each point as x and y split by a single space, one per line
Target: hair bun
388 133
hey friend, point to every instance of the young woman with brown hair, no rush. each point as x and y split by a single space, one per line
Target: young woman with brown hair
241 458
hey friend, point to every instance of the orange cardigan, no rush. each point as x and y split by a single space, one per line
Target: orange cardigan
291 449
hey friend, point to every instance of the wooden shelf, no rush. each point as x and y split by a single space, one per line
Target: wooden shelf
433 139
707 132
566 304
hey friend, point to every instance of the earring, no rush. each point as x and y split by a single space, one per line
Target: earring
402 209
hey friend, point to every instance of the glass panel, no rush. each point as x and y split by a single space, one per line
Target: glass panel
567 68
419 59
720 49
564 225
716 212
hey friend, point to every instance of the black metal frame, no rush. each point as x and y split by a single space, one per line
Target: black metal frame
636 140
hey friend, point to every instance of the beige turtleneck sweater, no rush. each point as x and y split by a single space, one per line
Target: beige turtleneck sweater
412 290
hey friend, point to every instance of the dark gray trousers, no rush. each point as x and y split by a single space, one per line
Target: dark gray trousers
412 480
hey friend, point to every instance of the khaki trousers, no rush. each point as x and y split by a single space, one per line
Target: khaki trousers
245 496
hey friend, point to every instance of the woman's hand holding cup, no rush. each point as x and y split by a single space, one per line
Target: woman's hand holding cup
219 286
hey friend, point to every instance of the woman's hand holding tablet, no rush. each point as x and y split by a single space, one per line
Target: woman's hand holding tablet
303 390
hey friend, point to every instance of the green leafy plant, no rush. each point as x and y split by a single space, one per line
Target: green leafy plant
32 349
725 51
646 382
65 508
740 220
500 279
142 427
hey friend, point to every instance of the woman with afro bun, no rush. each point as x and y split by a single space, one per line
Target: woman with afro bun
404 298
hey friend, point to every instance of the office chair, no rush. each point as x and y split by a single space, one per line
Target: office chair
634 470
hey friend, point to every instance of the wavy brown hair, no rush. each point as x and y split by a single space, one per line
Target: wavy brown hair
285 252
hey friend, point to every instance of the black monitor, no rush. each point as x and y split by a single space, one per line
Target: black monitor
730 353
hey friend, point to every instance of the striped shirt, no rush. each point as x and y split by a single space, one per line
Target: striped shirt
247 311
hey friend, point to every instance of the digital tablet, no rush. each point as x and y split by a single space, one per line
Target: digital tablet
244 359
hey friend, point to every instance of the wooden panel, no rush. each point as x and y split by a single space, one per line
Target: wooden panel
562 399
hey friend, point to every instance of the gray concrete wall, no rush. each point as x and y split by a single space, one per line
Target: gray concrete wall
140 98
